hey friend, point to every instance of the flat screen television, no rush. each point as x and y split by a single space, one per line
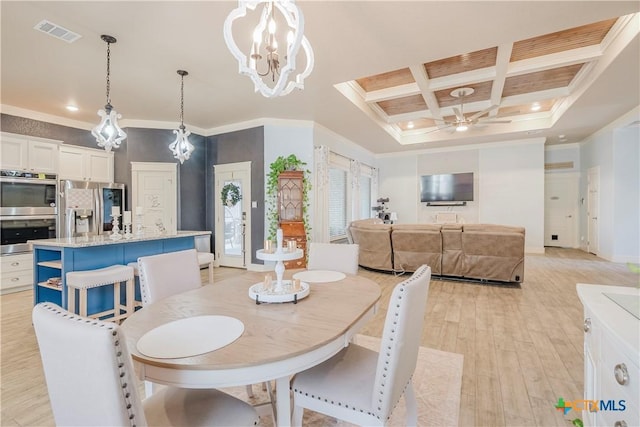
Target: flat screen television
451 187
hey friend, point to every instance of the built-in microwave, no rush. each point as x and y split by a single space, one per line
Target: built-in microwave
27 193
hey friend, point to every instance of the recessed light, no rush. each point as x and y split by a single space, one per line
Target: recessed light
72 108
535 106
410 125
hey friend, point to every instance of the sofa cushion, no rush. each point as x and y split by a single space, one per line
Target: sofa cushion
493 255
415 245
451 250
375 245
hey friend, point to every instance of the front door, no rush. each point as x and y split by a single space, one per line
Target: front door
233 222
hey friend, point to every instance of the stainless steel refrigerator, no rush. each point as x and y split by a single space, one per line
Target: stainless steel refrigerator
84 208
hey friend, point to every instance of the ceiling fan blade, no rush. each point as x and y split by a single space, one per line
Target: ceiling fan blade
439 128
482 113
458 114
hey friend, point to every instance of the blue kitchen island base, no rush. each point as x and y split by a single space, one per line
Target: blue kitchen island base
54 258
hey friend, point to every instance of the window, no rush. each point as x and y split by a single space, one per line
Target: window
337 203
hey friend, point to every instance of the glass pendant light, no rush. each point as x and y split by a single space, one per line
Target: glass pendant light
181 147
108 133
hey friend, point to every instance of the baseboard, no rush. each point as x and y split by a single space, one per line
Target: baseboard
624 259
534 250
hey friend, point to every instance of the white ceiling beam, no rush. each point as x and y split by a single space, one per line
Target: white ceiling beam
555 60
462 79
422 80
391 92
502 65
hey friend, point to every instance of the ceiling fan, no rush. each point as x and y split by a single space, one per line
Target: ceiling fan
462 122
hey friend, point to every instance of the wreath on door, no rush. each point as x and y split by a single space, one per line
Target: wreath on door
230 195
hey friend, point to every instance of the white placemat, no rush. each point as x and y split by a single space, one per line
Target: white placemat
190 337
319 276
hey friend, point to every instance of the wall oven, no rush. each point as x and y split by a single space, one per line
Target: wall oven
27 209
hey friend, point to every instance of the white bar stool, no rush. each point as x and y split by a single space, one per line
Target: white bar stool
207 258
136 273
113 275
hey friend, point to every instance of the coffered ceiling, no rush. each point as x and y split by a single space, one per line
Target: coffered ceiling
383 77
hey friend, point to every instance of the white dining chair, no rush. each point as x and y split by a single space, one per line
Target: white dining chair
362 386
333 256
168 274
91 382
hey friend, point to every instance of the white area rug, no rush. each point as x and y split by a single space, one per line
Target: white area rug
437 381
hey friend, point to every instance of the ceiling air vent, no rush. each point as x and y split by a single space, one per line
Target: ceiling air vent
57 31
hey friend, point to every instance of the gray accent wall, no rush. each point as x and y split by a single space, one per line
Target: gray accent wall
195 176
240 146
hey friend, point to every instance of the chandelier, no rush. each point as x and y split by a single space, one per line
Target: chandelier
108 133
181 147
270 74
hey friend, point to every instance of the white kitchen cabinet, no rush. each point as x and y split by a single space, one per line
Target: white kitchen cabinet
17 272
31 154
611 354
85 164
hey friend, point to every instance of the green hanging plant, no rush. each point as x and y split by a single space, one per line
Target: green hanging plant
230 195
279 165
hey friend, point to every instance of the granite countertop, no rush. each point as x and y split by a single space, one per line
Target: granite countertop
103 239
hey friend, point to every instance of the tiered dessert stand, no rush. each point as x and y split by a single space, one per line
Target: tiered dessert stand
279 290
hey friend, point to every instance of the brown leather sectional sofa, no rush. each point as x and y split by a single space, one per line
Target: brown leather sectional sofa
473 251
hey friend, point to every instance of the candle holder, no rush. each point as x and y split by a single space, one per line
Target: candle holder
127 231
139 226
115 230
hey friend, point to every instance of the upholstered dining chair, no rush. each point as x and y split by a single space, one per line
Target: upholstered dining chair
91 381
168 274
333 256
362 386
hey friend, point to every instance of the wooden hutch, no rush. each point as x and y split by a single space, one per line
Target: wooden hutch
290 213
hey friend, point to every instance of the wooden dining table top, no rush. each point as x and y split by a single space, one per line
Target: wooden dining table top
273 332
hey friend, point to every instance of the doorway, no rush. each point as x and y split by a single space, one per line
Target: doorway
233 220
561 210
593 209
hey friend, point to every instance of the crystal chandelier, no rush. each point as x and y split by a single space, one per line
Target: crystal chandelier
264 63
181 147
108 133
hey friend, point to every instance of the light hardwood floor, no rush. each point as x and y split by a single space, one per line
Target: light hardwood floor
522 345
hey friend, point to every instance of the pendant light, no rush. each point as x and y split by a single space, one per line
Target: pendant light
181 147
108 133
272 70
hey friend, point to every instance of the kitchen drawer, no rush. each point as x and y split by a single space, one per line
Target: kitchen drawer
630 416
16 279
12 263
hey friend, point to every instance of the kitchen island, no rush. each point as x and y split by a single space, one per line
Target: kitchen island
54 258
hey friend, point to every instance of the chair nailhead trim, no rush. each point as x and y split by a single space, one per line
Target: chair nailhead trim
116 344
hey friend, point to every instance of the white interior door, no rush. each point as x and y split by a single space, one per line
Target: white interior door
561 210
233 222
593 208
155 189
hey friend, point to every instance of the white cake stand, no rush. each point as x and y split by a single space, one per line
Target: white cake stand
279 256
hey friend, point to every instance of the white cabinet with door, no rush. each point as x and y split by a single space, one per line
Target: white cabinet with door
85 164
16 273
31 154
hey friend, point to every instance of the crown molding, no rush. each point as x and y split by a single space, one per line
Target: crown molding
500 144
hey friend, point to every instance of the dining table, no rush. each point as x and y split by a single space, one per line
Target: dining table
264 341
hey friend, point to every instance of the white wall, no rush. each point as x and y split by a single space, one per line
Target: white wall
508 187
283 140
398 180
615 149
626 179
339 144
561 154
512 188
